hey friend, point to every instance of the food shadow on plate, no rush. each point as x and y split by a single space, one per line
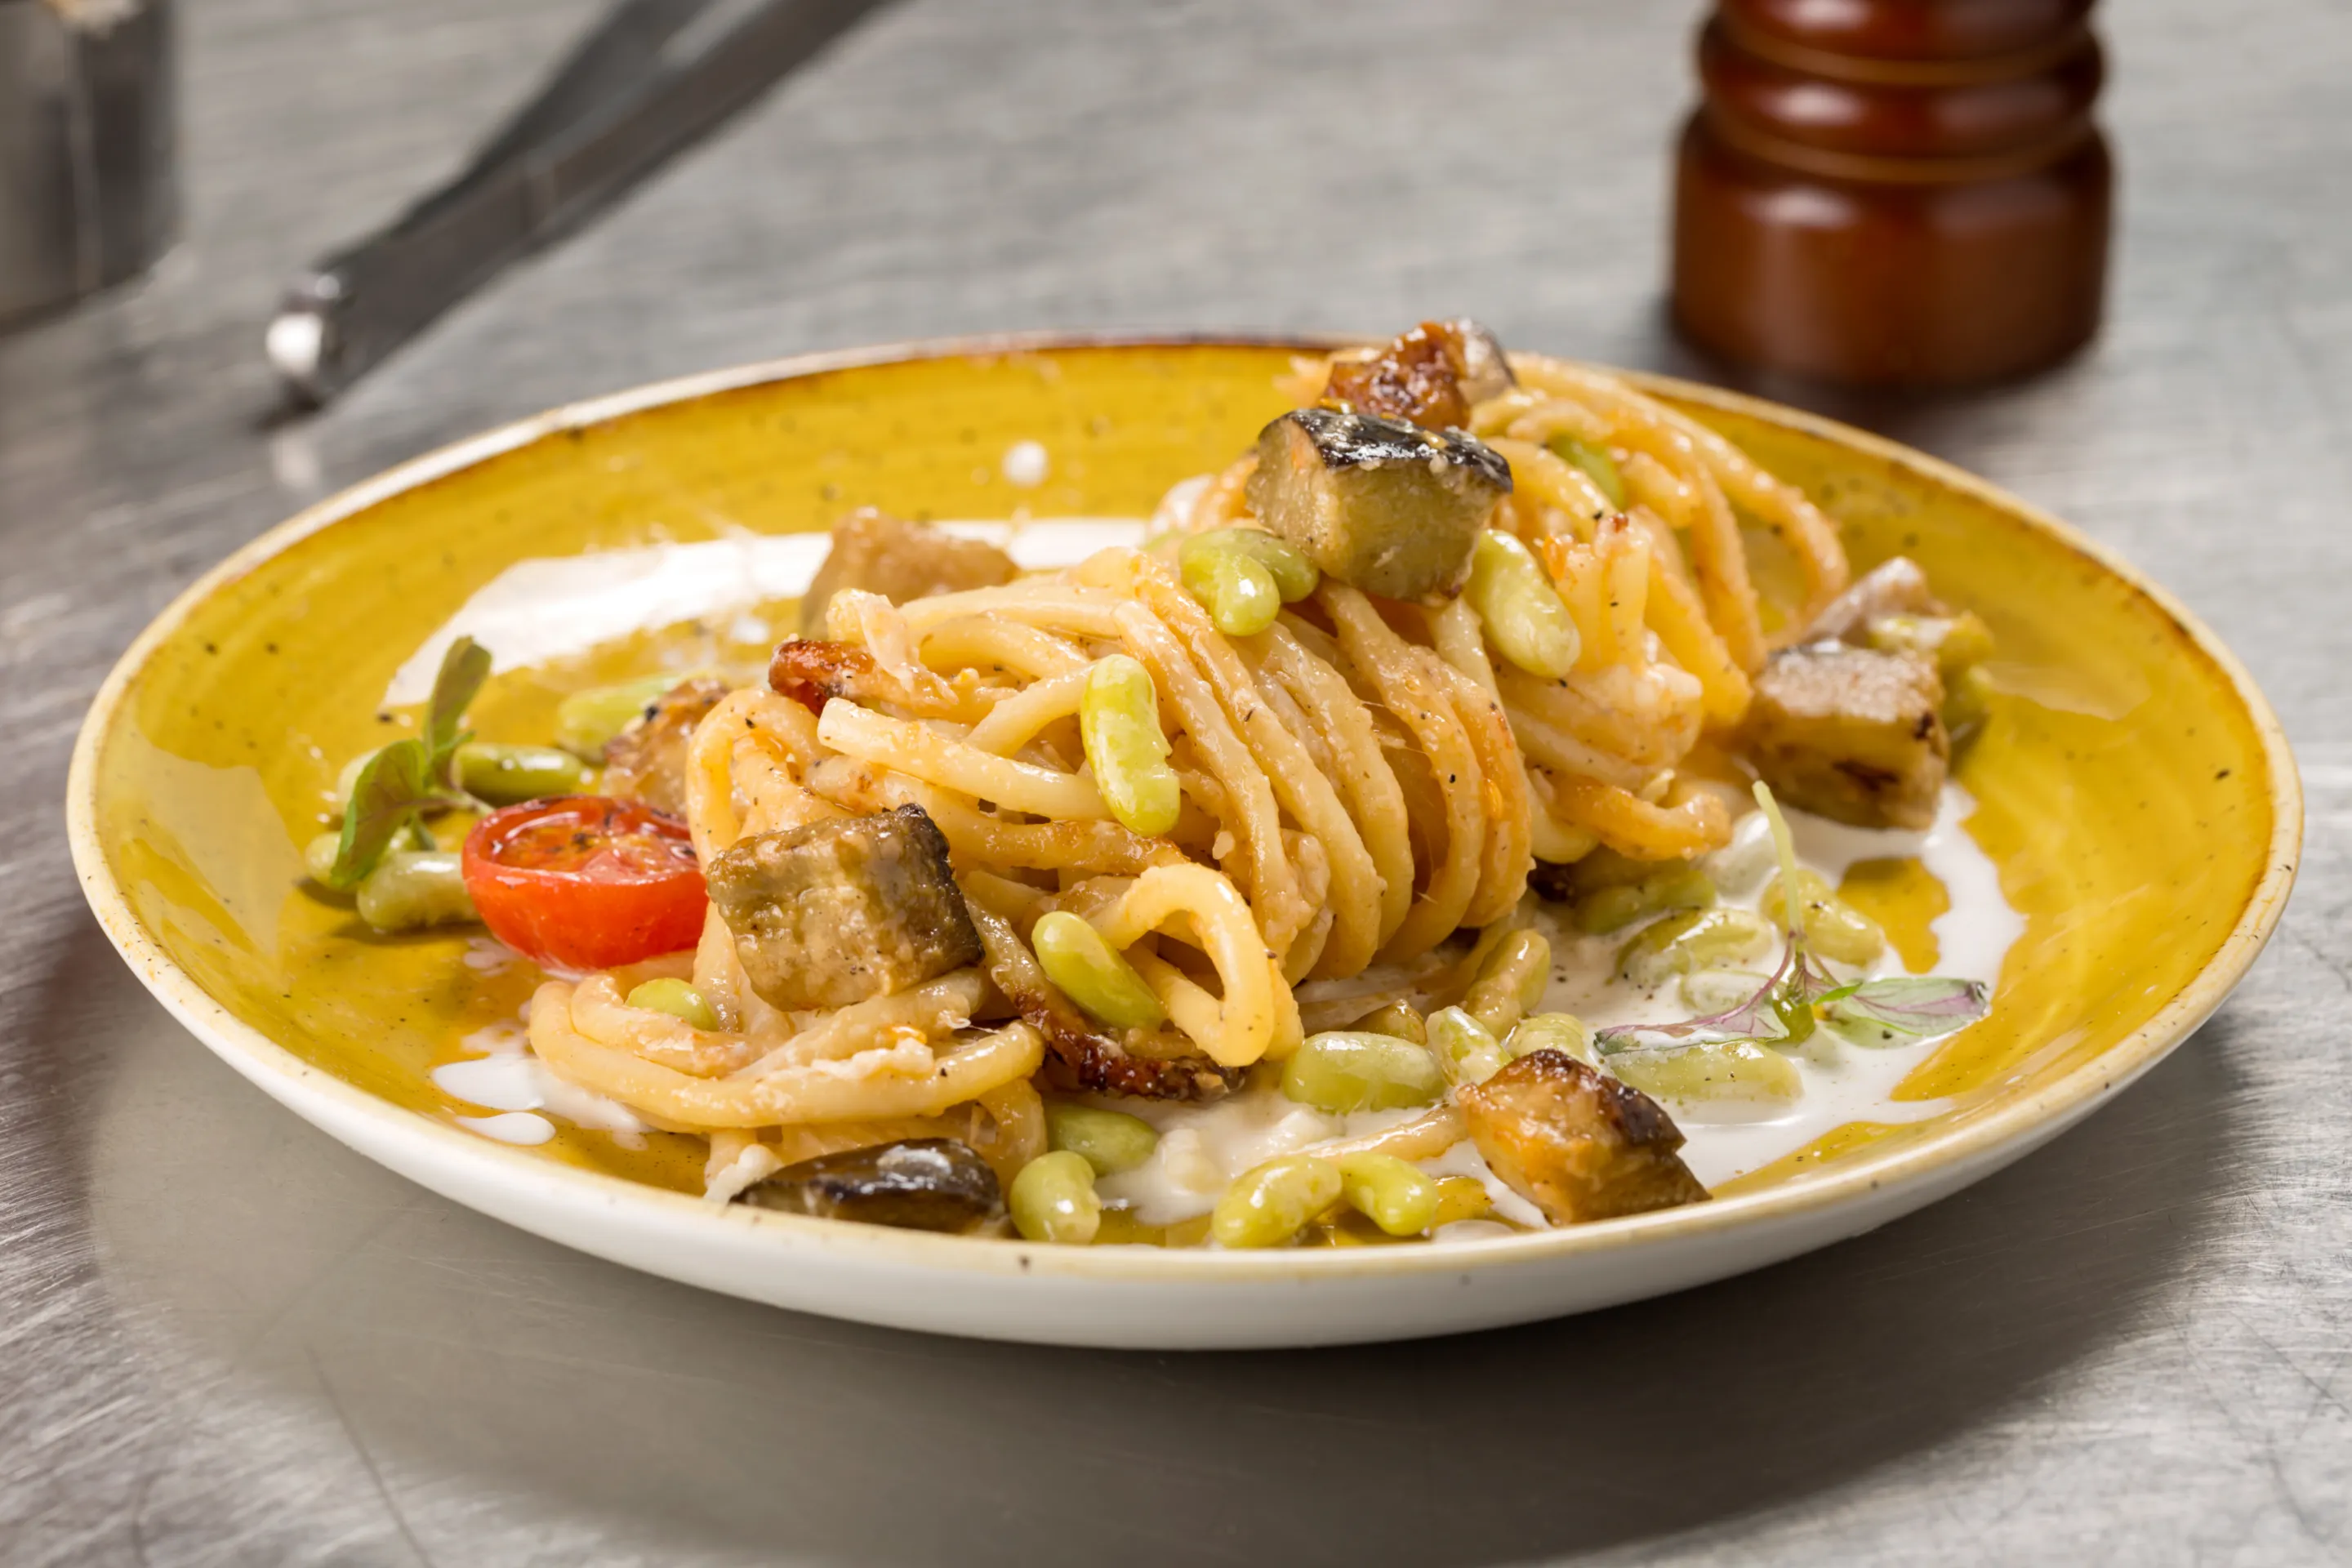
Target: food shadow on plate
478 1393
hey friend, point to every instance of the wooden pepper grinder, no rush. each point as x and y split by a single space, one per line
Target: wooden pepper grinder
1894 192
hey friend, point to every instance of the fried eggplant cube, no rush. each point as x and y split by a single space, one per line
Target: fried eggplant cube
1896 586
1380 504
1851 734
1431 376
1576 1142
900 561
916 1183
646 762
842 911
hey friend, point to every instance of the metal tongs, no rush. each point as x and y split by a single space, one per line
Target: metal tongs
647 81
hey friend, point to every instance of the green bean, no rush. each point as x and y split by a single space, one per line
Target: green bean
1390 1193
1594 460
586 720
1833 928
1269 1205
1688 943
1521 610
1465 1047
1109 1141
1347 1069
1562 1032
1677 886
1711 1070
410 892
1511 981
1294 575
1052 1199
1239 591
677 999
1119 721
1082 965
504 775
1402 1019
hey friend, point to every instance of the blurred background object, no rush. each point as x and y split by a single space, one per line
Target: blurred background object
649 79
89 148
1894 192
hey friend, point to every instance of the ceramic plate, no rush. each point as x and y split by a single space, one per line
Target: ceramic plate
2133 789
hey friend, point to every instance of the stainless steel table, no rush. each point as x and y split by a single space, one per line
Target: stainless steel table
223 1339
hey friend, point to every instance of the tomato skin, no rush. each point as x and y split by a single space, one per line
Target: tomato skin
584 881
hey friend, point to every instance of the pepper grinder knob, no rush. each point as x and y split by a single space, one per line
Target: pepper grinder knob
1894 192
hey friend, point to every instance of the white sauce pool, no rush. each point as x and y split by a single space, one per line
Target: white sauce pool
1203 1147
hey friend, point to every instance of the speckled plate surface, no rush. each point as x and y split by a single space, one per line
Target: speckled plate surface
2133 788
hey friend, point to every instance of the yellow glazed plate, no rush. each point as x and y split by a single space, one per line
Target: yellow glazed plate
2133 788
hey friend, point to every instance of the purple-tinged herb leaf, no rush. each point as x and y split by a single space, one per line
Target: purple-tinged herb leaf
1921 1005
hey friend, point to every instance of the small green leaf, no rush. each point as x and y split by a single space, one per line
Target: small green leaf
463 669
1921 1005
395 790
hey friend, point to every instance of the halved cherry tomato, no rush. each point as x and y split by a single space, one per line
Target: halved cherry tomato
583 881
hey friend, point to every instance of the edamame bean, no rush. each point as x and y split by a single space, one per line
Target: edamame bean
1402 1019
1562 1032
1052 1199
1968 703
1522 612
1109 1141
586 720
1711 1070
1390 1193
1348 1069
1511 981
677 999
1118 720
1833 929
1465 1047
1269 1205
1680 885
1693 940
1103 986
412 891
1594 460
318 854
350 775
1239 592
505 775
1712 991
1294 575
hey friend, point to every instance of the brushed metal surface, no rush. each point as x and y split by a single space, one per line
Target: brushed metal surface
223 1339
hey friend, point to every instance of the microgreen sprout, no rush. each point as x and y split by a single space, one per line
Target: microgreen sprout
1799 993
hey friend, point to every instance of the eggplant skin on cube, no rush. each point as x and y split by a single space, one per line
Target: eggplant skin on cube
842 911
1576 1142
916 1183
1380 504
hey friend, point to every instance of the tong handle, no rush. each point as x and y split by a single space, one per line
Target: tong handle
617 108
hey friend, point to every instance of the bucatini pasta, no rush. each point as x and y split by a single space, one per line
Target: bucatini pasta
1275 784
